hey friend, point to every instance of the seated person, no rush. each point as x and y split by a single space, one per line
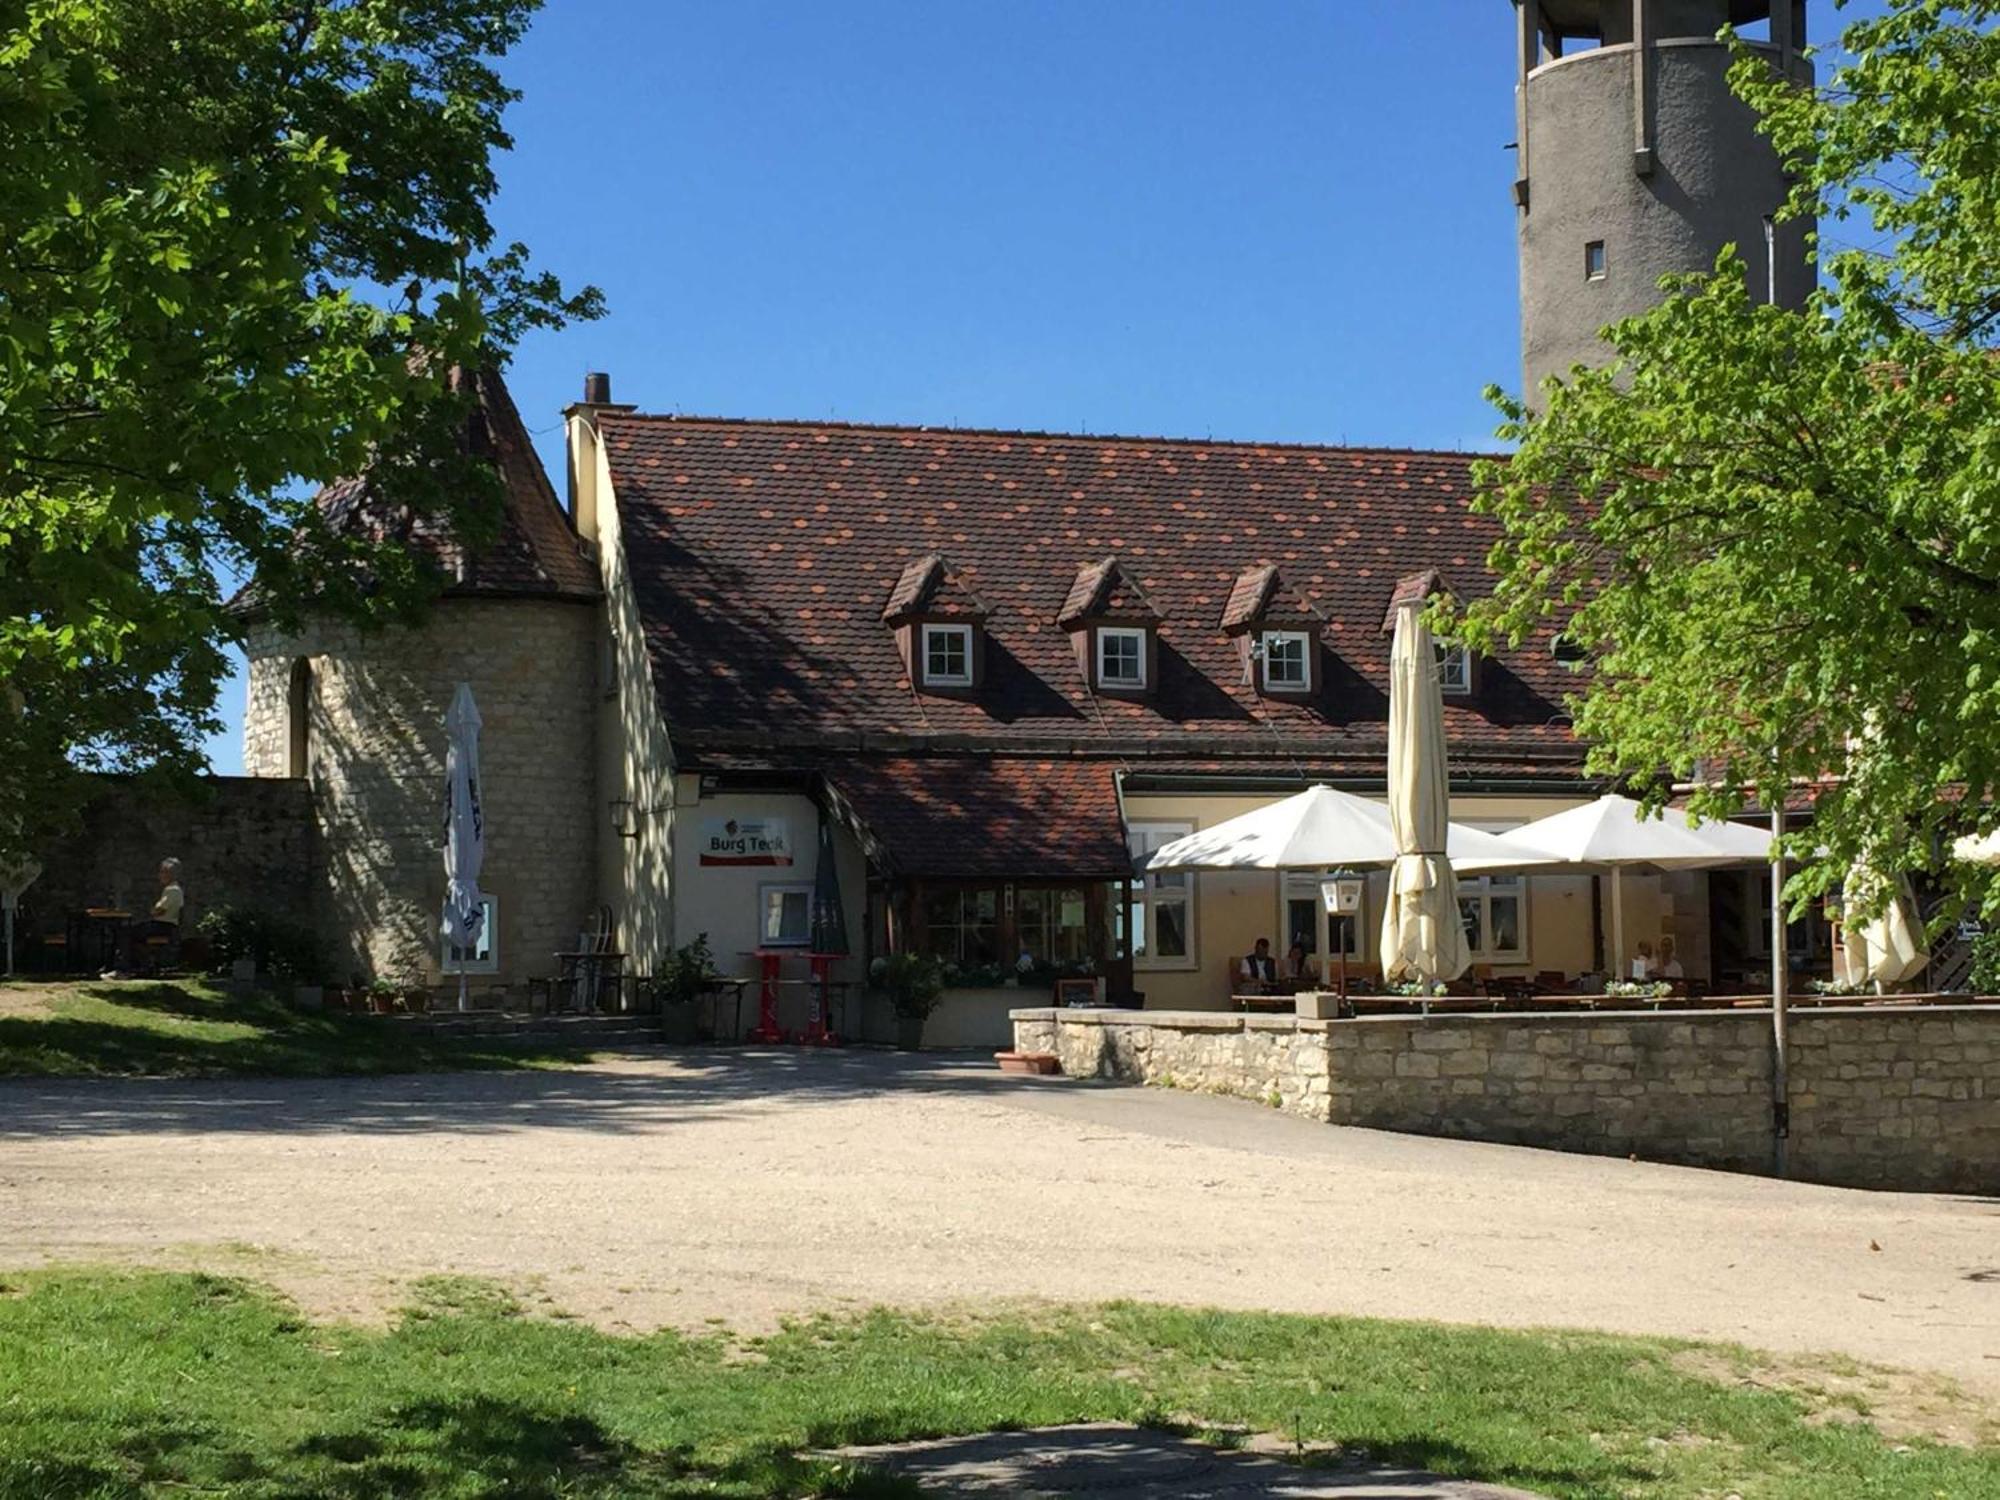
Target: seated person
1670 964
1297 964
1642 963
164 921
1259 971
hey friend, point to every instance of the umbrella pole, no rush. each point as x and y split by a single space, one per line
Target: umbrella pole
461 990
1617 923
10 939
1781 1080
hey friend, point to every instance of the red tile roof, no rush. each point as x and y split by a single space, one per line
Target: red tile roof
533 551
970 816
930 586
763 552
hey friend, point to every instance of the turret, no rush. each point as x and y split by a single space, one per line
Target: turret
1635 161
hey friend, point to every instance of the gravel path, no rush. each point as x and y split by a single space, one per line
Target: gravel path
745 1186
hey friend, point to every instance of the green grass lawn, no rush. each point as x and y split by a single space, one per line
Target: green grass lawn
187 1029
125 1385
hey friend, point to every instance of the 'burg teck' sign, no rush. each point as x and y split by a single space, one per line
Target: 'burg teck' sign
745 841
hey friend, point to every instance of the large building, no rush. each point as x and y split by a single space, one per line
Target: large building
981 670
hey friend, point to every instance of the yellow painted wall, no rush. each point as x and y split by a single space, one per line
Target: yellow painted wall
1235 908
724 900
635 759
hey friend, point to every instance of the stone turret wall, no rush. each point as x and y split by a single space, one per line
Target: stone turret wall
375 743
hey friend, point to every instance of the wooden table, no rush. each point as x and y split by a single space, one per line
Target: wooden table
1272 1004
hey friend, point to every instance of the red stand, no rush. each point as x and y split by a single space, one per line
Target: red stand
767 1028
818 1032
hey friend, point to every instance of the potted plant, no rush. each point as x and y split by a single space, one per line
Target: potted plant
382 995
684 977
913 983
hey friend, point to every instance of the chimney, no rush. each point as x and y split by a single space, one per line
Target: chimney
581 420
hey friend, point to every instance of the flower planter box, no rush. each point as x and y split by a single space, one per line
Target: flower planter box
1032 1064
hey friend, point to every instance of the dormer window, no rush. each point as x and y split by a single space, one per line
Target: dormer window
1121 657
1287 661
1114 627
1454 669
1277 632
939 624
947 656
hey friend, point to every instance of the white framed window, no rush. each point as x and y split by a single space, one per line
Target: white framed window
1494 909
1162 934
947 656
1595 264
1454 668
1287 661
1303 921
483 957
784 915
1121 657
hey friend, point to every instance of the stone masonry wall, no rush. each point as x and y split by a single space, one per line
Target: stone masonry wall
241 842
375 765
1880 1097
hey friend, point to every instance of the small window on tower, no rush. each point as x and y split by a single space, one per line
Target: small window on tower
1593 261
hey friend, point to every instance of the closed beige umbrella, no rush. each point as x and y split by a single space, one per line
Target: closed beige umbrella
1423 936
1887 949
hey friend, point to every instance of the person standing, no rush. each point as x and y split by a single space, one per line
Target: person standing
165 920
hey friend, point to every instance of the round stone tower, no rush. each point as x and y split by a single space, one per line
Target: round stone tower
1636 161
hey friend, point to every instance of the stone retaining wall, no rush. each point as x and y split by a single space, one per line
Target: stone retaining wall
1880 1097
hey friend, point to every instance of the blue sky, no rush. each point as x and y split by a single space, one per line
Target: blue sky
1284 220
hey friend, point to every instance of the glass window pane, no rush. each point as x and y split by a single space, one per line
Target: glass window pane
1170 920
1470 914
1506 917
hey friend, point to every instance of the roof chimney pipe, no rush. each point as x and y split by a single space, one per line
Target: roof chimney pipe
597 389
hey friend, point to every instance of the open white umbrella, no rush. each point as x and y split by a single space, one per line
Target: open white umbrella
1423 936
1888 948
1324 828
464 828
1978 848
1612 835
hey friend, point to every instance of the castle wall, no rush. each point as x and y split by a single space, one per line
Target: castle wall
375 762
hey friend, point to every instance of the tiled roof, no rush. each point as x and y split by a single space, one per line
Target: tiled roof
1106 588
1415 589
763 553
1260 597
533 552
973 815
930 586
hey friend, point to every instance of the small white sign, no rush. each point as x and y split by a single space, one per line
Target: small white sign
745 841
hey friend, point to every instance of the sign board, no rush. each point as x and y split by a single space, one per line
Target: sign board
745 841
1342 896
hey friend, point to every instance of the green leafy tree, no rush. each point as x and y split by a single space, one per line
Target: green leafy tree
242 244
1773 537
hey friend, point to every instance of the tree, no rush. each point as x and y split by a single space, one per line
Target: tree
1773 537
242 244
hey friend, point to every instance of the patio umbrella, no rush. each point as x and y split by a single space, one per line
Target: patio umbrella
1611 836
1323 828
1887 949
1978 848
829 917
464 828
1423 936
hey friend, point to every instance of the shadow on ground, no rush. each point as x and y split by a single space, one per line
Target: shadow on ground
661 1087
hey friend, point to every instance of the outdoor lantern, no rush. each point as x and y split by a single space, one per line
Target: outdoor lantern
1342 895
624 819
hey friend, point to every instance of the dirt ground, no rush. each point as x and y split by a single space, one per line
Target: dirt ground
746 1186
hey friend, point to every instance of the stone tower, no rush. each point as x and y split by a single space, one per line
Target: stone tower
1635 161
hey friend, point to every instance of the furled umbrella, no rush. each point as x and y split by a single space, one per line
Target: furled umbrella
464 829
1887 948
1423 935
829 916
17 873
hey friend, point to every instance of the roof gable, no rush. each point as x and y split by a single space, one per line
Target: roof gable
930 586
1106 590
1259 598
